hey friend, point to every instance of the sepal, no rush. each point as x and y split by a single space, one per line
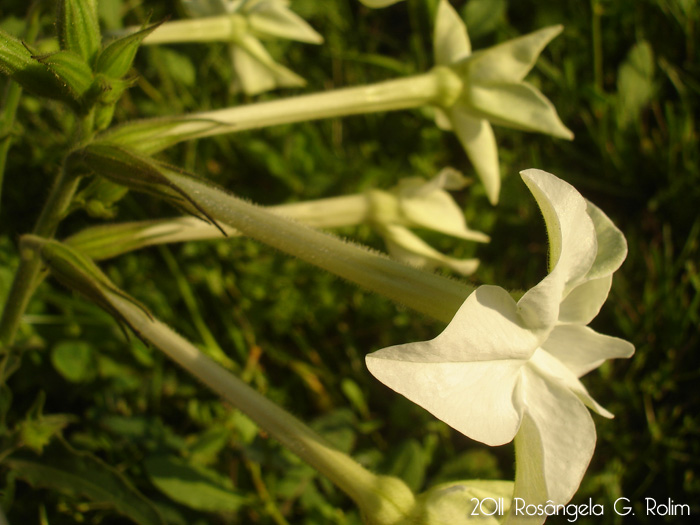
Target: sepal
115 60
78 272
137 172
78 28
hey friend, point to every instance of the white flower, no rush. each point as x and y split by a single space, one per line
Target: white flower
251 20
417 203
504 370
494 91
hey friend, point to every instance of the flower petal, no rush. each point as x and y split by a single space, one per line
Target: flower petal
554 445
468 374
406 246
555 370
474 398
510 61
274 19
518 106
612 246
582 349
256 71
572 246
478 141
451 41
427 205
585 300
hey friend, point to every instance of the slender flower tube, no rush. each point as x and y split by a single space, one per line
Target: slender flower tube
415 202
384 500
468 89
504 370
242 23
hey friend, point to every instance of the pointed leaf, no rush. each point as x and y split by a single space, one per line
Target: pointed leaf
116 59
65 470
196 487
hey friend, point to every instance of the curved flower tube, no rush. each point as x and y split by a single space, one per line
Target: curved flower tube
504 370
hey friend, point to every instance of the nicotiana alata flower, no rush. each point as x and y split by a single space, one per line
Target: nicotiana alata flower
494 91
243 23
504 370
417 203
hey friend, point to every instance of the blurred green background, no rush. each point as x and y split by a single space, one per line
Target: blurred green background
624 76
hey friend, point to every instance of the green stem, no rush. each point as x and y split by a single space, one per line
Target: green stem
27 276
13 93
440 86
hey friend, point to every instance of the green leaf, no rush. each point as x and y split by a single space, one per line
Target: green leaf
78 28
74 360
635 83
65 470
116 59
196 487
38 430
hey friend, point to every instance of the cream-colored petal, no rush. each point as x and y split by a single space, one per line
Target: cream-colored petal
585 300
278 21
572 246
519 106
554 445
406 246
476 137
451 41
257 71
510 61
474 398
438 211
612 246
582 349
555 370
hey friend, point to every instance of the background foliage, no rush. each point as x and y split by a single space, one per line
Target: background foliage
624 76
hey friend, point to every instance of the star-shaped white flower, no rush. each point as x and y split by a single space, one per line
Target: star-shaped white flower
494 91
255 70
417 203
504 370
